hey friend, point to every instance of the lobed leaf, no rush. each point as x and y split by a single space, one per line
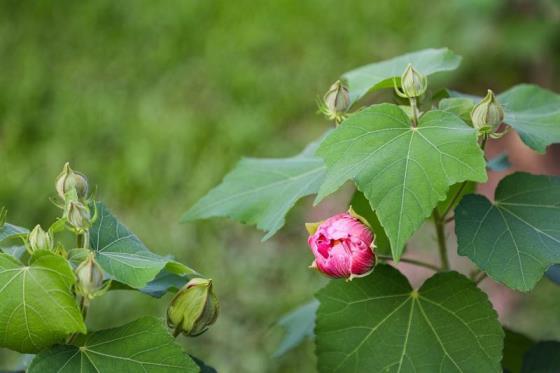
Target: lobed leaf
403 171
516 238
143 345
379 324
299 325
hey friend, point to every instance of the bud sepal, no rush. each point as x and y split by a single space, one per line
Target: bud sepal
335 102
413 83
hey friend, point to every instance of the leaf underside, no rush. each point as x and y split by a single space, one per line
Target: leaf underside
143 345
402 171
515 239
378 324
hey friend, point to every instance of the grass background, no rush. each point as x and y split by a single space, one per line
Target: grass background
155 101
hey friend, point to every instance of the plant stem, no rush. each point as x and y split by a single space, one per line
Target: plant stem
411 261
414 107
479 279
453 200
442 242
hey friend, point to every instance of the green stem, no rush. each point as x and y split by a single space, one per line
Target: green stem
442 242
453 200
411 261
414 107
482 277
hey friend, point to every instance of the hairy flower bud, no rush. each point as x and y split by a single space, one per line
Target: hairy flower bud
413 83
336 101
90 278
487 115
40 240
69 179
193 309
342 246
78 215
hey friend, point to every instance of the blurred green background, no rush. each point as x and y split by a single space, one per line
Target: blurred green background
156 100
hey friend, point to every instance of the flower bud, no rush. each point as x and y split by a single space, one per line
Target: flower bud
193 309
90 277
413 83
69 179
336 101
78 215
40 240
488 114
342 246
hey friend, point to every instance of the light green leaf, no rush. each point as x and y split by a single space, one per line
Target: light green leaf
459 106
9 231
379 324
534 112
121 253
517 238
37 308
403 171
381 74
361 206
298 325
262 191
143 345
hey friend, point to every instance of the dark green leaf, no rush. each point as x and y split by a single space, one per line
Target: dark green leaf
402 170
544 357
9 231
361 205
262 191
37 307
381 74
298 325
499 163
534 112
143 345
379 324
553 273
121 254
517 238
515 346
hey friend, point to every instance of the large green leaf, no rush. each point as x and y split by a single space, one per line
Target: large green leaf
121 253
298 326
515 347
262 191
534 112
402 170
516 238
381 74
361 206
379 324
543 357
143 345
37 307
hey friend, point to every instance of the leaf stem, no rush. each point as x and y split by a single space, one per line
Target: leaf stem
480 278
414 107
453 200
442 242
411 261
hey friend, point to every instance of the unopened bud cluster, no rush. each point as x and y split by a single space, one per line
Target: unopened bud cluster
336 102
72 187
487 116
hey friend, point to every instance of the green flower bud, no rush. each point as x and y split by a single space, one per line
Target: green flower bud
69 179
193 309
40 240
90 278
413 83
336 101
488 114
78 215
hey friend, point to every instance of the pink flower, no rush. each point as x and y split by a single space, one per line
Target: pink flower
342 246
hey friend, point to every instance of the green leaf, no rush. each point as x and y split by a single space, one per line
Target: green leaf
379 324
143 345
517 238
9 231
298 325
553 274
515 346
544 357
381 74
459 106
534 112
37 307
121 254
360 205
454 196
403 171
262 191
